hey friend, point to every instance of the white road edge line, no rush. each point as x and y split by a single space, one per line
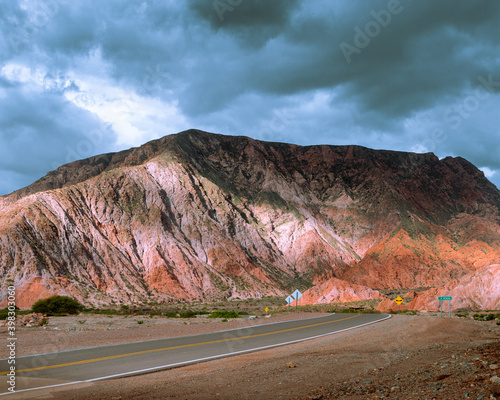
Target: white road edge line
173 337
168 366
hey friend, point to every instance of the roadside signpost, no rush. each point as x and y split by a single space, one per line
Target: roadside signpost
296 296
441 299
398 301
267 309
289 299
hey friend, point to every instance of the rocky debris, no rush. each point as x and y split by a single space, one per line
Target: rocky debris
29 320
203 216
454 376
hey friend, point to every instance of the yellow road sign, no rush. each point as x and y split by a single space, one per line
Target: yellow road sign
398 300
267 309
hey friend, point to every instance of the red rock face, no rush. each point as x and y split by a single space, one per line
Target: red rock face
410 295
202 216
478 290
338 291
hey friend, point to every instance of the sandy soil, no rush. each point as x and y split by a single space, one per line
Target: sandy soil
405 357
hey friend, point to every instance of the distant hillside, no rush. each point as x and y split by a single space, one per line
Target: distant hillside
201 216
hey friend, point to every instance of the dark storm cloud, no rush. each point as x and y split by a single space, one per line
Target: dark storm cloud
426 52
40 132
385 74
251 22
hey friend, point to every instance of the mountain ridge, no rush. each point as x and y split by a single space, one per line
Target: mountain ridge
198 215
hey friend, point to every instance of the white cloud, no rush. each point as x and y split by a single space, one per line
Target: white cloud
135 118
489 173
35 78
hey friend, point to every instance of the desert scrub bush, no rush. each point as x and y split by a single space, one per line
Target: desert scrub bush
409 312
5 312
484 317
57 305
140 322
181 314
224 314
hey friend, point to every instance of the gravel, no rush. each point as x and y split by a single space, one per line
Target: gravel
405 357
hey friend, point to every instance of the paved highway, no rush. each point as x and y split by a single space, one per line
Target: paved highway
96 363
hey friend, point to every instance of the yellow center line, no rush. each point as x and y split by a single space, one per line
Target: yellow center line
175 347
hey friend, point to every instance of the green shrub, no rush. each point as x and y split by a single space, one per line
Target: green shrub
224 314
4 313
57 305
409 312
183 314
140 322
484 317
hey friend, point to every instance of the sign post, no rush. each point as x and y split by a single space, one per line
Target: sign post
441 298
398 301
289 299
296 295
267 309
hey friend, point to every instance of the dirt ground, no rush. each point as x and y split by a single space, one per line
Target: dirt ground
405 357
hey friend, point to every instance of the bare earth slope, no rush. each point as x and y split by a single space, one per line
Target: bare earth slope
200 216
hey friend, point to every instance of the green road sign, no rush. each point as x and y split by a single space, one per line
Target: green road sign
441 298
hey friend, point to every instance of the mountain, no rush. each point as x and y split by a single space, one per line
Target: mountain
477 290
198 216
333 290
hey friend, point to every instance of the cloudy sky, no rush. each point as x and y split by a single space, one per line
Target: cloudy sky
79 78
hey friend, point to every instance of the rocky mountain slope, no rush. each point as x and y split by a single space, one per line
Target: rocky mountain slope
201 216
478 290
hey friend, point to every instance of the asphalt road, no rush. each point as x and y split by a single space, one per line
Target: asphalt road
107 362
